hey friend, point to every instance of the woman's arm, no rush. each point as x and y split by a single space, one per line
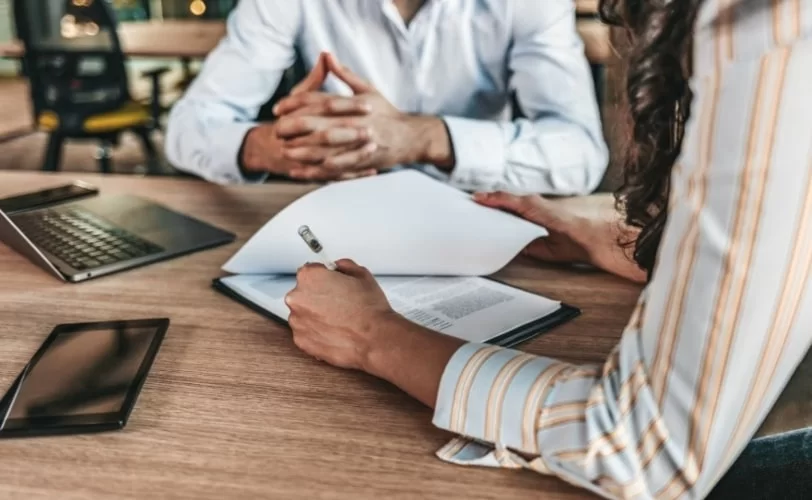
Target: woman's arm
345 319
716 335
412 358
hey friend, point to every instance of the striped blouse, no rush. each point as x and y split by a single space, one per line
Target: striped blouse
724 321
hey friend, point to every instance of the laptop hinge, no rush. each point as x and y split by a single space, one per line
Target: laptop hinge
11 235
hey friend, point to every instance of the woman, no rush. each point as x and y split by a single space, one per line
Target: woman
717 202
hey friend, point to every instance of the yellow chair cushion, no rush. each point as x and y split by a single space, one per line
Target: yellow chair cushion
130 115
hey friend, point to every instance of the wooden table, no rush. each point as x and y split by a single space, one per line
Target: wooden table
178 39
231 408
170 39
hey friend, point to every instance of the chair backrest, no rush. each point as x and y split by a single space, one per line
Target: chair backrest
72 56
132 10
218 9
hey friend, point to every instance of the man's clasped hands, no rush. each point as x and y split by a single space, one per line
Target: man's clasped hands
321 136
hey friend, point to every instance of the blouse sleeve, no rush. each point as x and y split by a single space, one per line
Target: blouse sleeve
720 328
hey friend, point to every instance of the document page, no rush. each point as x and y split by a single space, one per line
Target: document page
403 223
470 308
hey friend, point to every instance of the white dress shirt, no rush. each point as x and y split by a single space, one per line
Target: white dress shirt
457 59
726 318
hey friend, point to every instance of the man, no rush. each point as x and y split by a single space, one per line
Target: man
424 83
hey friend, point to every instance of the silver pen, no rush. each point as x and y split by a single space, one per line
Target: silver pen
316 246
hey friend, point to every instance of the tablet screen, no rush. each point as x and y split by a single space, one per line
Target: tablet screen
82 371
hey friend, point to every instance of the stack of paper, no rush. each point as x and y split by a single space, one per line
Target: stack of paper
426 242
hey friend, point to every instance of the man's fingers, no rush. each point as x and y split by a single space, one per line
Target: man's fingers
358 158
308 155
315 79
355 82
327 105
357 175
321 174
289 128
316 155
313 174
297 126
339 136
295 102
347 106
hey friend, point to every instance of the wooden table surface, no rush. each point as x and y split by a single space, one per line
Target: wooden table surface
231 409
169 39
194 39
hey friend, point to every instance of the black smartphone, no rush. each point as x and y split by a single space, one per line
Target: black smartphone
85 377
37 199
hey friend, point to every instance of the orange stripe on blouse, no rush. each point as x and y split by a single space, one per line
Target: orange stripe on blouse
462 392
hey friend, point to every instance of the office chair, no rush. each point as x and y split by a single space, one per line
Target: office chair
79 85
131 10
214 9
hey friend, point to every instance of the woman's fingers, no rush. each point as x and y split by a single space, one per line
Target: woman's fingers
531 207
349 267
507 201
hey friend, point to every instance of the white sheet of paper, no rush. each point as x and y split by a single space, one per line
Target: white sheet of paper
473 309
403 223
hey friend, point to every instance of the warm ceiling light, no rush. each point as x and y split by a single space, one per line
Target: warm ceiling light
68 27
197 7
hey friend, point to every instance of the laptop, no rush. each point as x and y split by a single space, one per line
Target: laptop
100 235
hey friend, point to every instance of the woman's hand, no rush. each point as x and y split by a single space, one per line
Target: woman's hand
583 229
338 316
343 317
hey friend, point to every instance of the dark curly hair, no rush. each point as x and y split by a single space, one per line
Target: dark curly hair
658 100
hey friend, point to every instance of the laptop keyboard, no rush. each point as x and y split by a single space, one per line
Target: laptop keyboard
82 239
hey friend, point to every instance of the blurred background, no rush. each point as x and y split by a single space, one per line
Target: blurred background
160 45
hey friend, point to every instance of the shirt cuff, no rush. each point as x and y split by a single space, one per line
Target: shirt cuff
248 176
226 152
479 152
493 396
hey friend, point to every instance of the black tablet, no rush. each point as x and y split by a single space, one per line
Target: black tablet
84 378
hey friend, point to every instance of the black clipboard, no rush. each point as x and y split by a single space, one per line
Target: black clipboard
517 336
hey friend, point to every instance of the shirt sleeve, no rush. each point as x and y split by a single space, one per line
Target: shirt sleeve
208 124
559 147
717 333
